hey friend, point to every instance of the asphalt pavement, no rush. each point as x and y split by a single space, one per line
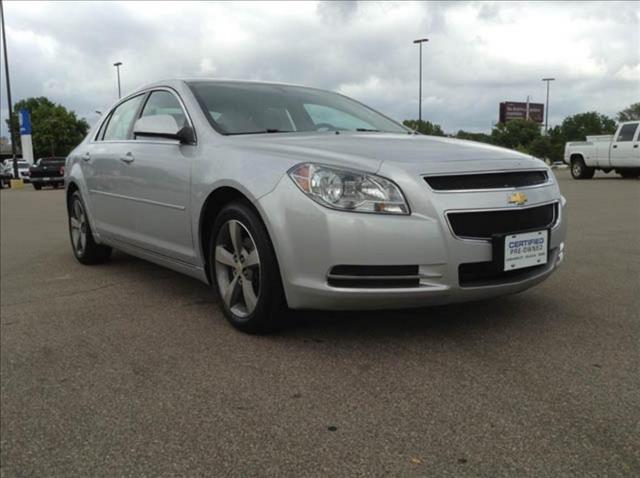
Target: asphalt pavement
128 369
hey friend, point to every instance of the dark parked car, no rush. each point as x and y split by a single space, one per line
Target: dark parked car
5 174
47 172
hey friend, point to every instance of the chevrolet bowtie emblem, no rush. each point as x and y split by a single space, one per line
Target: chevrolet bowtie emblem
519 199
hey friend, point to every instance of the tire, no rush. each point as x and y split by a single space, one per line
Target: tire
579 170
244 271
85 249
37 186
629 174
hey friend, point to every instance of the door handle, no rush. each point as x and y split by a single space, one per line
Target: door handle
127 158
615 146
635 145
86 156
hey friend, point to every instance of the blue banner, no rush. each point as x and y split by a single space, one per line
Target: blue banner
25 122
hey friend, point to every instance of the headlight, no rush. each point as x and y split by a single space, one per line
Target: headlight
349 190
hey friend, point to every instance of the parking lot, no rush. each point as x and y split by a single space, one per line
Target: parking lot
129 369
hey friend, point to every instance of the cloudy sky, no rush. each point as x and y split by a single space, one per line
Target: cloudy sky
478 55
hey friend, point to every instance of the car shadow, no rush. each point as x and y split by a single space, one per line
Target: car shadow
443 320
612 177
455 320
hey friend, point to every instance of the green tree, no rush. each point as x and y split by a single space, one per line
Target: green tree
480 137
424 127
541 147
630 113
515 134
557 142
56 130
577 127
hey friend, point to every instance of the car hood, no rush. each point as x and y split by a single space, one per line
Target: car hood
368 151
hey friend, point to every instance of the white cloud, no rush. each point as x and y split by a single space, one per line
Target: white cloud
629 73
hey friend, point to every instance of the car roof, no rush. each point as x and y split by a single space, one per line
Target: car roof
174 81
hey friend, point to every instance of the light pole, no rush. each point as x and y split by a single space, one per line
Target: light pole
420 41
546 108
117 65
6 71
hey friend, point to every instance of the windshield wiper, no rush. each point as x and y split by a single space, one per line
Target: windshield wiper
368 130
269 130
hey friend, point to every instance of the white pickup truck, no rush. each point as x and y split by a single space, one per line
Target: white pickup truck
618 152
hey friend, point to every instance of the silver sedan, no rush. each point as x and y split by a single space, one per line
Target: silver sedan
284 197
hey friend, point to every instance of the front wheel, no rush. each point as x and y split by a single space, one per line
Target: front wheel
579 170
243 265
631 174
86 250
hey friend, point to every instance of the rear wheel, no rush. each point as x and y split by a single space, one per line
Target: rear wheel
244 268
630 174
86 250
579 170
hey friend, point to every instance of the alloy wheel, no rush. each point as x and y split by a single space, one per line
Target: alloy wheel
78 225
577 169
237 266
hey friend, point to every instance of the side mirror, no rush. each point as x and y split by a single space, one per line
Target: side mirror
163 126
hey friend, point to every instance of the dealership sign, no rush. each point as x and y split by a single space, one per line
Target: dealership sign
510 110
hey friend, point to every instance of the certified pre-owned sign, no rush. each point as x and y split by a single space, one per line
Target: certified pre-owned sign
525 250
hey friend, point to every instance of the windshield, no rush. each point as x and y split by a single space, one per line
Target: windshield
252 108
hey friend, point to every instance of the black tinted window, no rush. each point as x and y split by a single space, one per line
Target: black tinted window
121 119
627 132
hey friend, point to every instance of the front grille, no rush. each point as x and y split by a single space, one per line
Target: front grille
484 224
506 180
373 277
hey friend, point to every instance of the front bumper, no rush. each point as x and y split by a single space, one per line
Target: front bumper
309 240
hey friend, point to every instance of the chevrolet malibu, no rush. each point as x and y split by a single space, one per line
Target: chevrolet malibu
284 197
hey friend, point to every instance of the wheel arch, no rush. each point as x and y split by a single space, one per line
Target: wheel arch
72 187
215 201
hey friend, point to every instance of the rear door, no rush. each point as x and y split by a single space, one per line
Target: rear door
155 180
103 169
625 152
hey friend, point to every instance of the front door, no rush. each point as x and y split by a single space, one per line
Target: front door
155 183
625 152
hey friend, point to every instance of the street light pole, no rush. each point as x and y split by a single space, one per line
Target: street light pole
420 41
6 71
546 112
117 65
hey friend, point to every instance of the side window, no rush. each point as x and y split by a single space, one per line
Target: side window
162 102
627 132
121 119
320 114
